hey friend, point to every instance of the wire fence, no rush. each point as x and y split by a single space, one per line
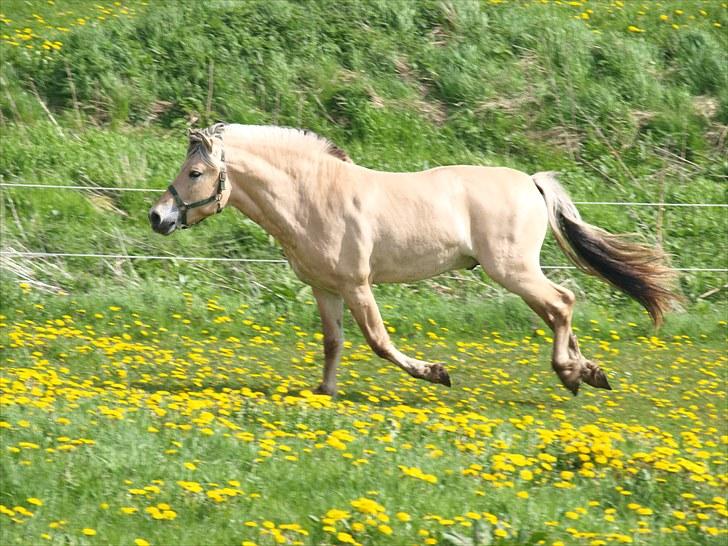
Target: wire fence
31 255
22 254
157 190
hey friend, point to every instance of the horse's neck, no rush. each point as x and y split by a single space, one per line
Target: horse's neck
267 189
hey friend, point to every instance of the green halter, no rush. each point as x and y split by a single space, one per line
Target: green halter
217 196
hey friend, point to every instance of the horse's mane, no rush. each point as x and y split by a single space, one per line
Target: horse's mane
201 139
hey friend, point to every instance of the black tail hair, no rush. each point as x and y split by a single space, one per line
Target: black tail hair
637 269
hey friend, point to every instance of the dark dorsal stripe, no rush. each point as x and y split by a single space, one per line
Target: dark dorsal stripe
333 149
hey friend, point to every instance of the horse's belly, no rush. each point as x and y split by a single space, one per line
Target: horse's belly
410 268
414 246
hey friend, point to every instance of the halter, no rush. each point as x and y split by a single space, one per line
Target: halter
217 196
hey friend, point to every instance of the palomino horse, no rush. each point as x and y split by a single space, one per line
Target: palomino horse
344 227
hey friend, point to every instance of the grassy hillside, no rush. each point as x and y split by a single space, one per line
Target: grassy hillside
631 102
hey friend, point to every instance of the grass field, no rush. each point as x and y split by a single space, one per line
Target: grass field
199 428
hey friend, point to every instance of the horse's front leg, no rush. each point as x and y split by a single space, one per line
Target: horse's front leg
331 309
363 306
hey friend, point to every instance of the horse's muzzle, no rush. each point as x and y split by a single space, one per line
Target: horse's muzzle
164 225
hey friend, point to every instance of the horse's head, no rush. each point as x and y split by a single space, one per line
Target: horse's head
200 189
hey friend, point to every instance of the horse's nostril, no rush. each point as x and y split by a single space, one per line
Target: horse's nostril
154 218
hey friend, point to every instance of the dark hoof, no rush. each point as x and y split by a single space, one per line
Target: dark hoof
570 377
322 389
594 376
573 387
438 374
571 384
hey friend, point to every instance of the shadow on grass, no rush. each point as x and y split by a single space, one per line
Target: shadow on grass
189 387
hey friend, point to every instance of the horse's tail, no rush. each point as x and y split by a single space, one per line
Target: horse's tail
636 269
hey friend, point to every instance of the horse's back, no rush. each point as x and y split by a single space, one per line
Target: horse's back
499 185
505 197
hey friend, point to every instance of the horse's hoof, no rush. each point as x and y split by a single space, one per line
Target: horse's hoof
325 390
594 376
597 379
570 376
572 385
438 374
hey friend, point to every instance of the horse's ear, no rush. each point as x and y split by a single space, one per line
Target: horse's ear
196 135
217 129
207 141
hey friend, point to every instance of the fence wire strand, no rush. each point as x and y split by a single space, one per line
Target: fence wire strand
19 254
158 190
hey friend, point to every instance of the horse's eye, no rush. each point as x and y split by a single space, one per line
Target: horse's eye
195 174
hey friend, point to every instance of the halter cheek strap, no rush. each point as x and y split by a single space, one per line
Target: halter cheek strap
217 196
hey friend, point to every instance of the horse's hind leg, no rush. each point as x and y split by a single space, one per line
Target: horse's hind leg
363 306
554 304
541 311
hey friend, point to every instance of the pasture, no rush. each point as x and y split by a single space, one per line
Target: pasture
150 395
200 428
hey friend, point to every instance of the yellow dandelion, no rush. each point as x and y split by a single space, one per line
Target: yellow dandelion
345 538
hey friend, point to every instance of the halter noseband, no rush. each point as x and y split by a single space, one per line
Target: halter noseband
217 196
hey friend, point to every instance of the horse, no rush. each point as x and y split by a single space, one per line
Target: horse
344 227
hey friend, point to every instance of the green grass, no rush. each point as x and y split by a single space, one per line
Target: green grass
104 398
